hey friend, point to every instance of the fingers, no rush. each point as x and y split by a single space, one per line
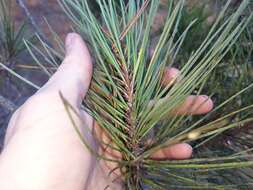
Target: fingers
174 152
170 75
194 105
74 75
105 142
106 149
178 151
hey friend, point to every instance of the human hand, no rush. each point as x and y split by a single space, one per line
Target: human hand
42 150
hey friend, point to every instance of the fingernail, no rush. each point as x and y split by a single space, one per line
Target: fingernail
205 97
70 40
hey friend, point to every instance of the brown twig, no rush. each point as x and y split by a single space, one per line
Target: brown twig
134 20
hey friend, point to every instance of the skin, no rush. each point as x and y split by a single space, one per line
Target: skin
42 151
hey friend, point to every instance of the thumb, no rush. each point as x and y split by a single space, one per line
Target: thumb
74 75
